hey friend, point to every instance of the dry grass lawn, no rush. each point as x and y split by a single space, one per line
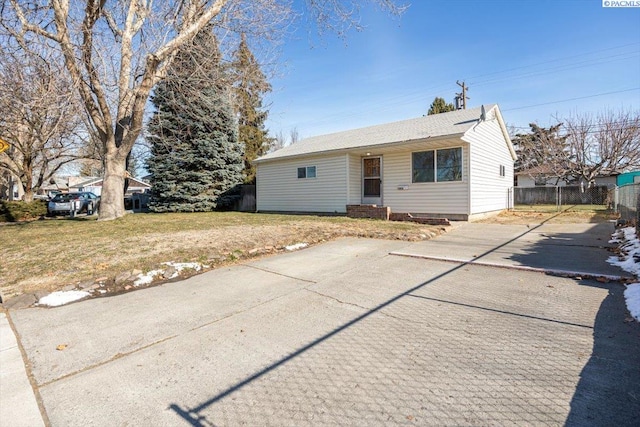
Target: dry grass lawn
549 214
51 254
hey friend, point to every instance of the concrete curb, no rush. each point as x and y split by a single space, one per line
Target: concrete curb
554 272
18 405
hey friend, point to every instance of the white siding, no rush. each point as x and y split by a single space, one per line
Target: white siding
355 179
279 189
442 198
489 150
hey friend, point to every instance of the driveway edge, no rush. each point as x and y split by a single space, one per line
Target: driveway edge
550 271
18 402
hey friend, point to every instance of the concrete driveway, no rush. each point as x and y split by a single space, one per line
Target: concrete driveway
346 334
580 249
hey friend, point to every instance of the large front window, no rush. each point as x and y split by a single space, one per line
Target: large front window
437 165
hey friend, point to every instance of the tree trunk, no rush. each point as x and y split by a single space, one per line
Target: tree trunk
112 198
27 183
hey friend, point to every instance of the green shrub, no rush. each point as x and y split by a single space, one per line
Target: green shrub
21 211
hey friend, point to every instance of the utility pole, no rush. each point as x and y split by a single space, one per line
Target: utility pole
461 98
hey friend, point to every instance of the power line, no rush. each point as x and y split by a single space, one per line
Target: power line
572 99
426 94
565 67
582 55
586 126
591 132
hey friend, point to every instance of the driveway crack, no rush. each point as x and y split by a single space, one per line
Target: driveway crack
382 313
279 274
337 300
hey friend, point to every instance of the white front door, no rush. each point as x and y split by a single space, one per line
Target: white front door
372 180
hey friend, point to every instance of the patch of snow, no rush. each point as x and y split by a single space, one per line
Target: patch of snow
145 279
58 298
632 297
179 266
628 261
629 250
296 246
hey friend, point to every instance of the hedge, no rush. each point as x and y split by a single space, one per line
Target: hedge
21 211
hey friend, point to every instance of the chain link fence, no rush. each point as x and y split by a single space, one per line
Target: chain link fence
599 197
626 202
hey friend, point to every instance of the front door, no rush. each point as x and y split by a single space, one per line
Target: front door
372 181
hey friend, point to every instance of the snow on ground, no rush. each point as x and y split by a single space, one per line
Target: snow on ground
628 260
179 266
632 296
296 246
58 298
146 278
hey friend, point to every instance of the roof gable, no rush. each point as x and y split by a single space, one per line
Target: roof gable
433 126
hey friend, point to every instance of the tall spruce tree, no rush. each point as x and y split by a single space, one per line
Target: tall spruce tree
196 158
250 85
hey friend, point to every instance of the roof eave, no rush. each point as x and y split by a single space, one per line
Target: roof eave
505 132
360 147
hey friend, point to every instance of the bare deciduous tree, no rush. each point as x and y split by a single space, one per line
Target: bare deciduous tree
543 154
116 52
40 120
603 144
277 142
294 135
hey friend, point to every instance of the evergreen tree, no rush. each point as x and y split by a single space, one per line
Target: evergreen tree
250 84
439 105
196 158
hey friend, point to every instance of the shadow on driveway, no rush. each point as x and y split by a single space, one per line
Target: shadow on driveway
566 248
608 393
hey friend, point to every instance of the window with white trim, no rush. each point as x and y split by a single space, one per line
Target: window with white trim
503 170
444 165
307 172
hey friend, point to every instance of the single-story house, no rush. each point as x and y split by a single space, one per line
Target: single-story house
94 184
456 165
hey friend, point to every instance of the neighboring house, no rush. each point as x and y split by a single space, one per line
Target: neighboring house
628 178
95 186
540 177
457 165
56 184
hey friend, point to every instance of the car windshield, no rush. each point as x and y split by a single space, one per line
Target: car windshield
62 198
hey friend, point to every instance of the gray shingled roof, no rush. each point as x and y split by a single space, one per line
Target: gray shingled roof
437 125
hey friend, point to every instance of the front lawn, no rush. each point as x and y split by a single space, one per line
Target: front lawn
53 254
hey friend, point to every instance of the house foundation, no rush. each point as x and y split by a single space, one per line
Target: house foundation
384 213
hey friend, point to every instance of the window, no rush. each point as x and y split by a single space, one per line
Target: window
423 166
503 170
437 165
450 164
307 172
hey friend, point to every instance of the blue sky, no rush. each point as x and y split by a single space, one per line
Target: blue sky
518 53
